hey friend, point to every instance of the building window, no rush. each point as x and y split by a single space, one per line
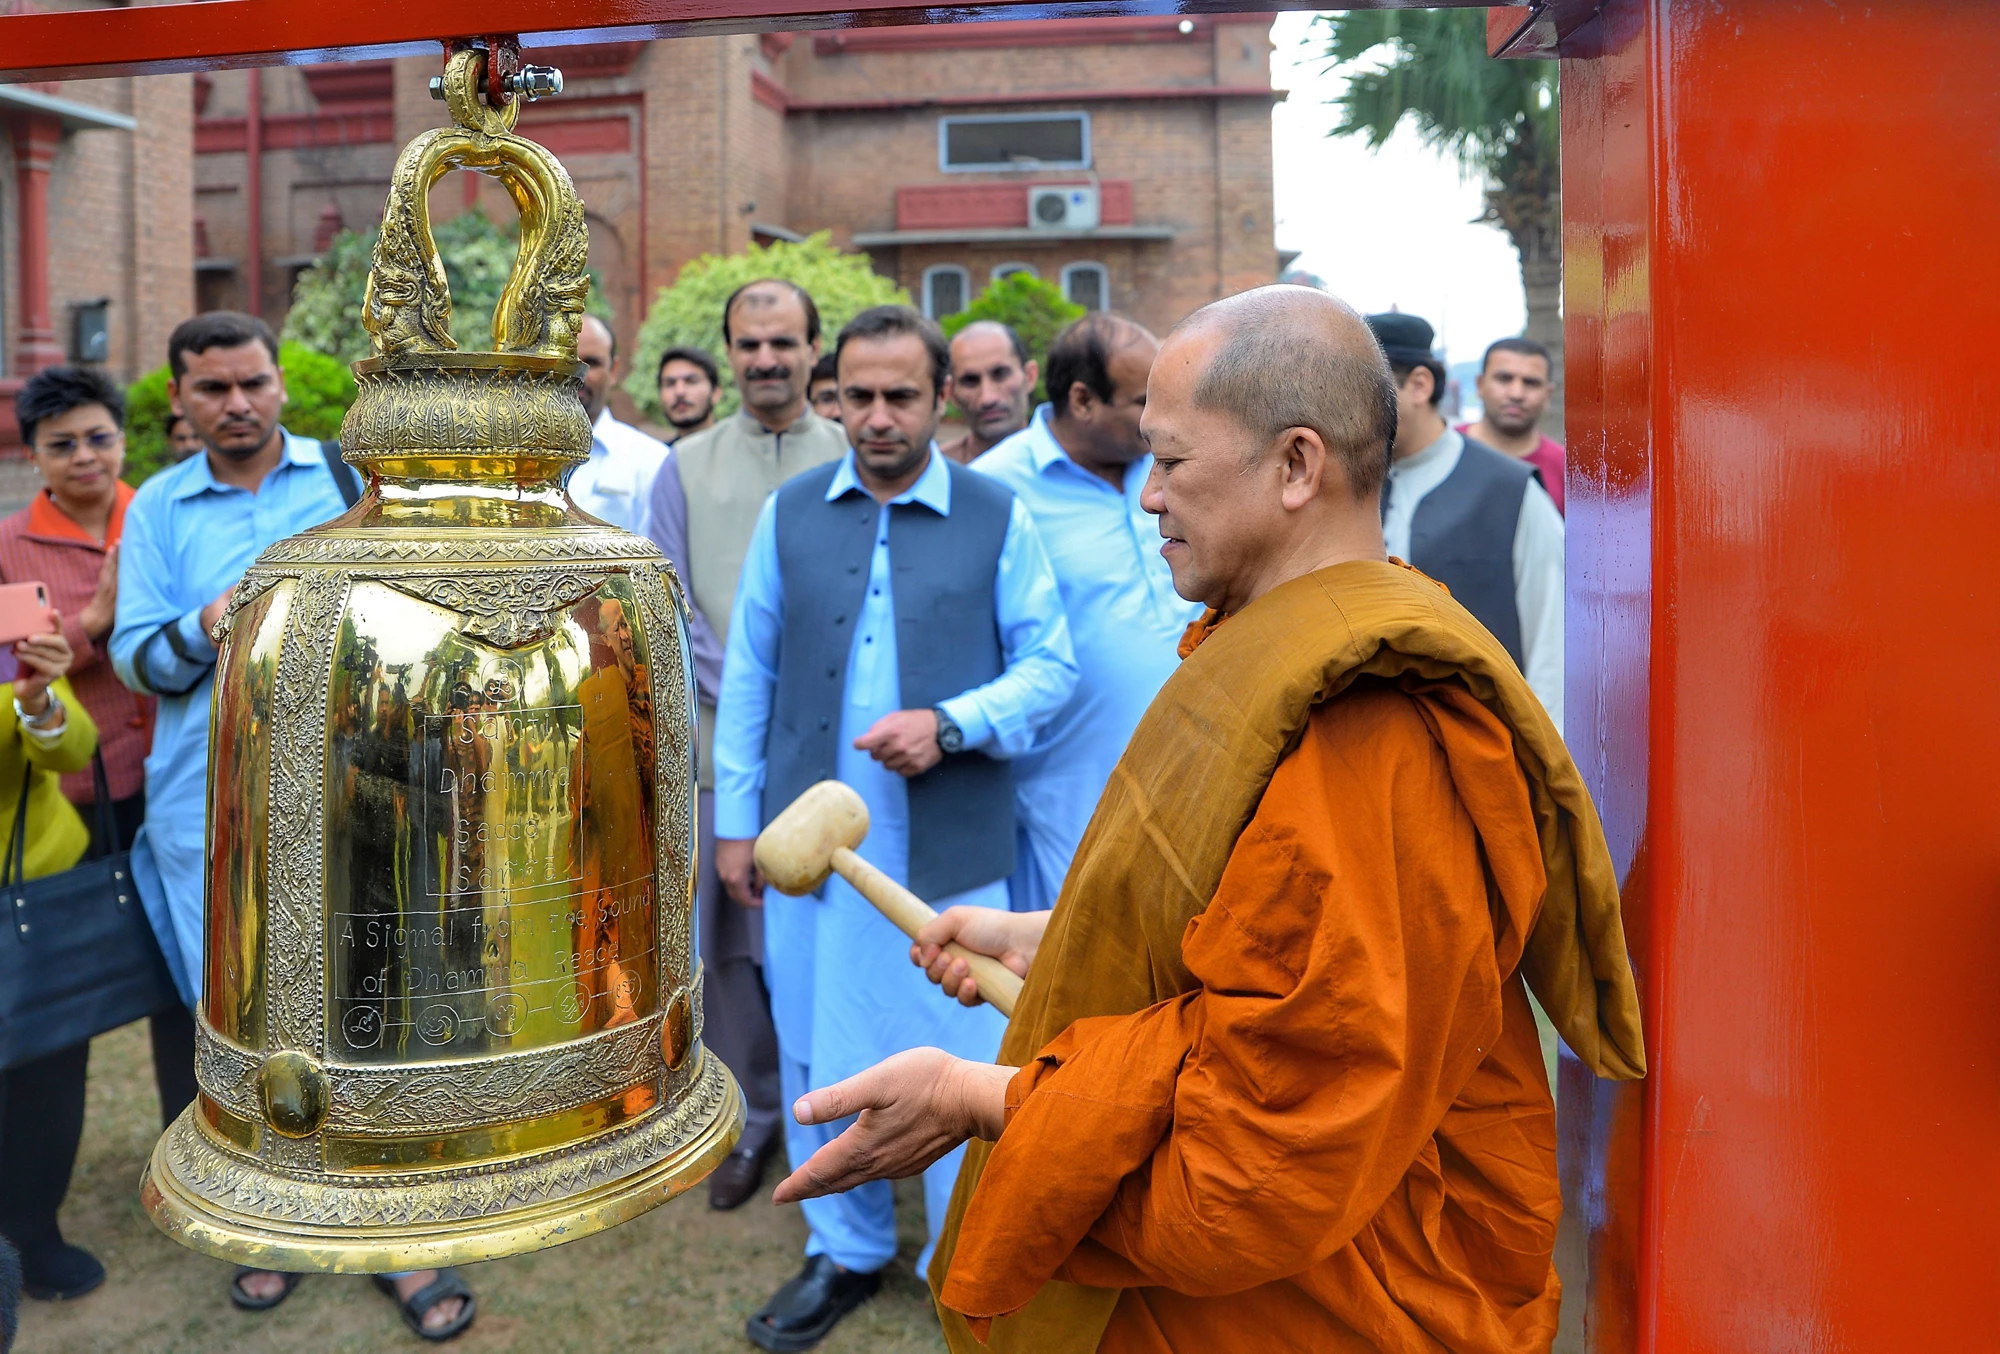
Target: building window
1016 141
945 287
1087 285
1003 271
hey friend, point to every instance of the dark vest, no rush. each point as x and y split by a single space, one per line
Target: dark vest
947 642
1463 536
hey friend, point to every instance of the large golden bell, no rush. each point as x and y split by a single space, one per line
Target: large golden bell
451 1010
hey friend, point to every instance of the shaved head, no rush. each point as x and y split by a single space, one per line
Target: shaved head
1270 416
1295 357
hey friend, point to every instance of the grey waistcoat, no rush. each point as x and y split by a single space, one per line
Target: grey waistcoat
947 642
1463 536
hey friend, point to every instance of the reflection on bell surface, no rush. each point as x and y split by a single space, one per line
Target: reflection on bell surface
450 1010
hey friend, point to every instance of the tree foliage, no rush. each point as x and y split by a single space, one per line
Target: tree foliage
689 313
477 255
1431 66
318 390
1500 119
1036 310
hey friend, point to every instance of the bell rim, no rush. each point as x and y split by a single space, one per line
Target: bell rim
342 1248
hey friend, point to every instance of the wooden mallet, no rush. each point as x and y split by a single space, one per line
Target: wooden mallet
815 837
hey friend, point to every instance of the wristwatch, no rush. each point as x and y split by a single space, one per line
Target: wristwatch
951 738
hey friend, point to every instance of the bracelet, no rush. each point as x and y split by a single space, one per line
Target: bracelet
45 718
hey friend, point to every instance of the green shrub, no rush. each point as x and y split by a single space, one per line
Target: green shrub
689 313
146 415
477 256
1037 310
318 390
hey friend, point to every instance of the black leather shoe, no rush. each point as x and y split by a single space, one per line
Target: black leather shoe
738 1178
60 1272
805 1310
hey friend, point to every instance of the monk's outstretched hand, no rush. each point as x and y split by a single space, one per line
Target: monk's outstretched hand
912 1108
1010 937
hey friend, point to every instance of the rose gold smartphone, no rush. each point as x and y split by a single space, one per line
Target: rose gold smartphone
24 611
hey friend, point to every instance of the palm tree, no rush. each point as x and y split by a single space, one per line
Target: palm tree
1497 118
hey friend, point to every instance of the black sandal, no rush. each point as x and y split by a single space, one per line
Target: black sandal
241 1297
414 1308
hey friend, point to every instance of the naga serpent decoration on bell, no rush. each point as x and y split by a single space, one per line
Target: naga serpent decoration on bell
450 1009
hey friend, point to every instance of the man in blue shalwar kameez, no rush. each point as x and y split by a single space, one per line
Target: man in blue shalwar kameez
898 628
1078 467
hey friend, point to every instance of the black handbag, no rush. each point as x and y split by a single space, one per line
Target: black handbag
79 956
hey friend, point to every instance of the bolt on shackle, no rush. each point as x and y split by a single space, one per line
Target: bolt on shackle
506 78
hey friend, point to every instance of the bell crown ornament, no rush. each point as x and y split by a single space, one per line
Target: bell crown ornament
449 1008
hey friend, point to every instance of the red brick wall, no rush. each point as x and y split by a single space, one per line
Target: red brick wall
107 238
118 224
163 243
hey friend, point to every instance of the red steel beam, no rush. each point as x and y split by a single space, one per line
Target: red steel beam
221 34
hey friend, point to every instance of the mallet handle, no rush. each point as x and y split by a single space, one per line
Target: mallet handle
999 985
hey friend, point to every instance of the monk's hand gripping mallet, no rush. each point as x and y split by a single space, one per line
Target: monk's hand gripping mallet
816 836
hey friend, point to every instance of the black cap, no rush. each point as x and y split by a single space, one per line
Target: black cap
1405 339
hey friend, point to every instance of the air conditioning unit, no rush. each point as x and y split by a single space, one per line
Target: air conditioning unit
1070 208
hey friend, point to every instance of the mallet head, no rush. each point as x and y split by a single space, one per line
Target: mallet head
795 853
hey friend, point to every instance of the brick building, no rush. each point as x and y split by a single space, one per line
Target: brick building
1126 159
95 237
925 146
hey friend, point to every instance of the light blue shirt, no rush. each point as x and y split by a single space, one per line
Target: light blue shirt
187 539
1126 622
616 484
844 994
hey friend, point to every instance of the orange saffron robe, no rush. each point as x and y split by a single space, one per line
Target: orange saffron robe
1280 1083
1344 1140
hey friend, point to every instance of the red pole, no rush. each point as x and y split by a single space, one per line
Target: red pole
253 190
35 141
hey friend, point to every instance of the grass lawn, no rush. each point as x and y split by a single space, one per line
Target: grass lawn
682 1278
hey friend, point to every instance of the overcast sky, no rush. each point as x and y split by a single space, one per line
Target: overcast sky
1385 228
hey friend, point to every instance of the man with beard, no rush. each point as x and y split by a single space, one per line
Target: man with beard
1080 467
688 382
616 484
1515 382
190 532
1476 520
705 503
993 383
898 628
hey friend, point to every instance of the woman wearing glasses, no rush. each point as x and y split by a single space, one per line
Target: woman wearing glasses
67 539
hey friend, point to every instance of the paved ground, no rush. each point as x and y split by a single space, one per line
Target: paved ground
682 1278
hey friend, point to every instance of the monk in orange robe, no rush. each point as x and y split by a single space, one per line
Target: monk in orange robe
1274 1081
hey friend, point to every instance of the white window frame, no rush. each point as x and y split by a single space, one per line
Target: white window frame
1104 291
1012 266
946 123
964 287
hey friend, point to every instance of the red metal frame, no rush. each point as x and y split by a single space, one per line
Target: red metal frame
158 39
